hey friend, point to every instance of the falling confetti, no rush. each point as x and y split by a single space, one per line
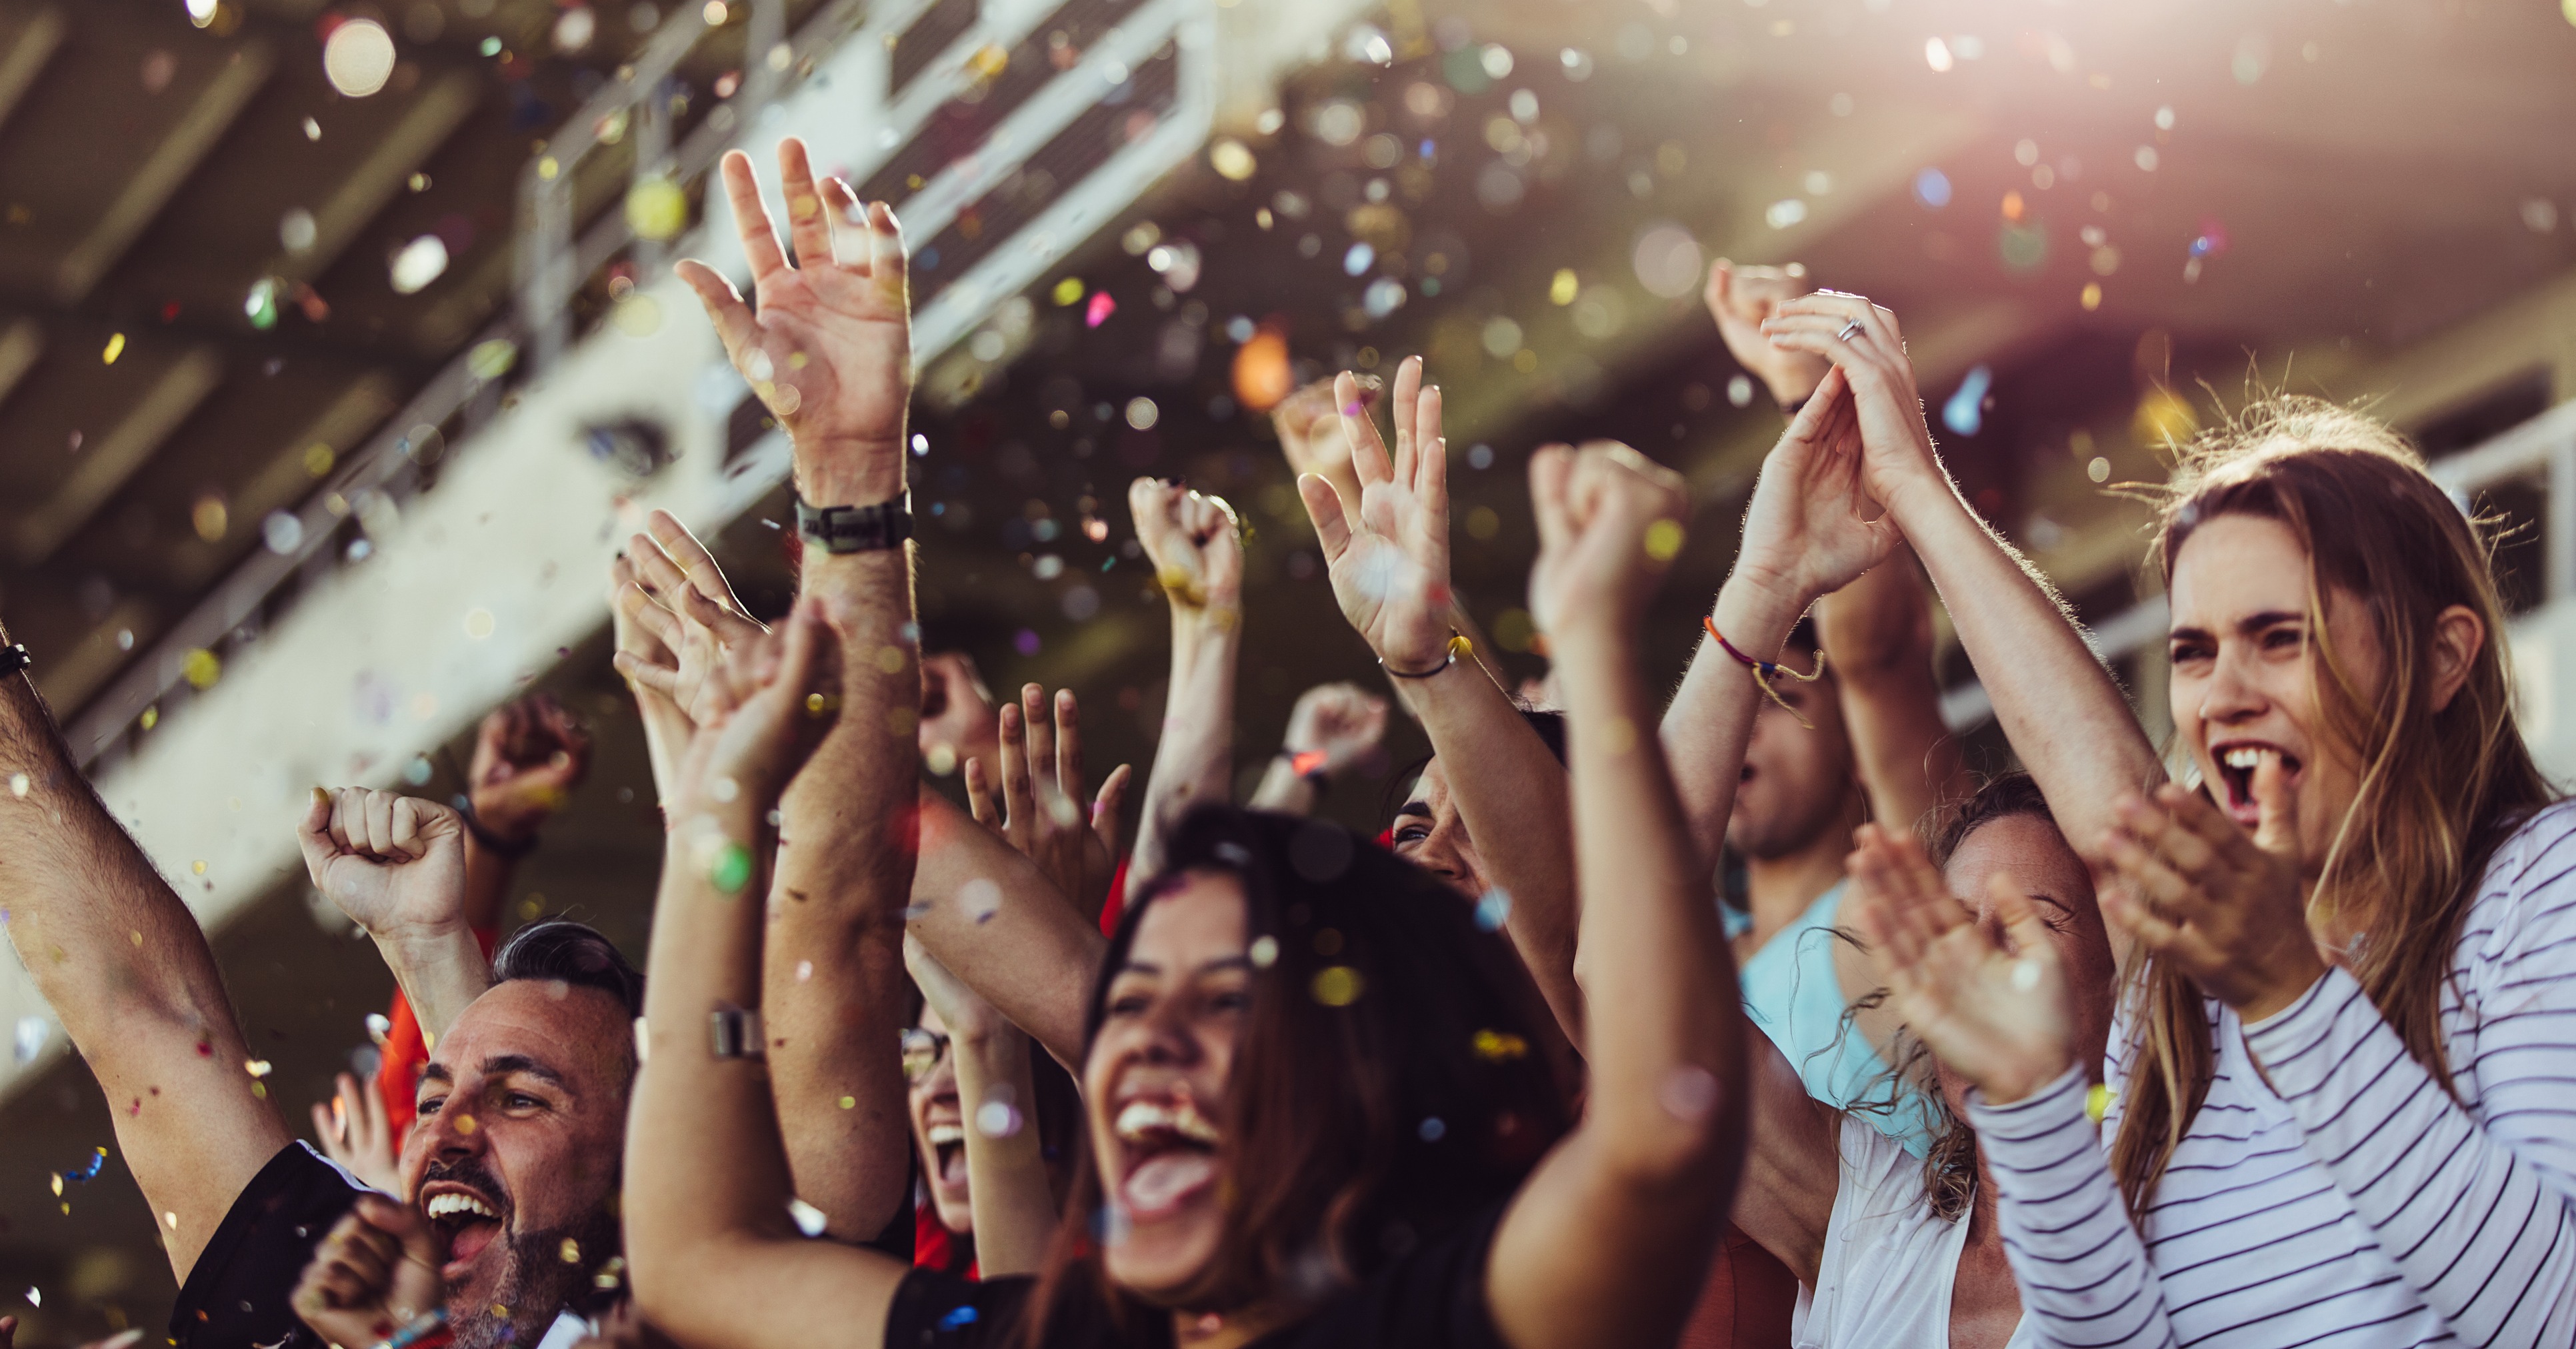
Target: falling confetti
1965 412
115 348
1102 306
656 208
358 57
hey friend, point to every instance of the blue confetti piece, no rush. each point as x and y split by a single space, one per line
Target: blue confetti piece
963 1316
1966 410
1932 188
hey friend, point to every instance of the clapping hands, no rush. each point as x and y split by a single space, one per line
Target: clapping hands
1990 1000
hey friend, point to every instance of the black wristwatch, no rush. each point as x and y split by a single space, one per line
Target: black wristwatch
855 529
14 658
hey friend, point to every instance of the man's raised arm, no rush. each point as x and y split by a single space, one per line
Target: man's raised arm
127 969
829 351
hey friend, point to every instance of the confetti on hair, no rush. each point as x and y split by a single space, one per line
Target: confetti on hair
1494 1046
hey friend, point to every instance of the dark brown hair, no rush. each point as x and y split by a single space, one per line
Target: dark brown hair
1355 1127
2440 790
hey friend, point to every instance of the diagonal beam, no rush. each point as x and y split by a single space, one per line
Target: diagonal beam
164 171
116 457
27 59
287 477
423 127
21 343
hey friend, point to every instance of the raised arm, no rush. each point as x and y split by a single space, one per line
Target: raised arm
127 971
1877 634
396 865
2058 705
714 1258
1041 810
528 756
1006 1171
991 917
1388 556
1333 729
1198 560
830 354
1608 1241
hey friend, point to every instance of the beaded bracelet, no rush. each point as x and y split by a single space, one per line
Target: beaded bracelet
1458 646
1763 670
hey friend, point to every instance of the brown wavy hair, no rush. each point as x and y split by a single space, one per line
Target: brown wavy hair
2440 790
1353 1131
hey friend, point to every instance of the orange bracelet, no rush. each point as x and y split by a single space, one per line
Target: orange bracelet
1763 670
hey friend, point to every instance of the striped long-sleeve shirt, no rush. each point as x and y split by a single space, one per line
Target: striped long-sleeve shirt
2351 1201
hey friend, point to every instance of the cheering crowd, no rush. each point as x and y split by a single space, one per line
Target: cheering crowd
2281 1054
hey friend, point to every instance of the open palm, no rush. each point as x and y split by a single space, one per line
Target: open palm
829 346
1995 1010
1389 558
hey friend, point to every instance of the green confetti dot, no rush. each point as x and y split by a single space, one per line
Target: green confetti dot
733 869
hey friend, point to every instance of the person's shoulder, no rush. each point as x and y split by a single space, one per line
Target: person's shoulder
1430 1297
237 1291
937 1310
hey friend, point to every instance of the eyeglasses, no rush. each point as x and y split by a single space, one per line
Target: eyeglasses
922 1051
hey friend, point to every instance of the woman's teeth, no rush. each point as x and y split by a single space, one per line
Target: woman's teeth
940 1135
1142 1118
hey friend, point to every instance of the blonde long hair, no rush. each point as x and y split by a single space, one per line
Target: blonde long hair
2440 790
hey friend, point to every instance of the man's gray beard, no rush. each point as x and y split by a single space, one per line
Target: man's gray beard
537 1285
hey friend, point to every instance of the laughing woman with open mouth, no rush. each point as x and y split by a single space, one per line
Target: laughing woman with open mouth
2340 1108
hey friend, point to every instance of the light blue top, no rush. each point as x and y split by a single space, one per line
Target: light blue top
1793 994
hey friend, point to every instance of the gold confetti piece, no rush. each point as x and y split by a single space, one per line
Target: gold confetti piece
571 1252
202 668
2097 1102
137 934
465 1124
1338 986
1495 1046
197 867
1562 289
256 1067
115 348
151 717
1664 539
849 1102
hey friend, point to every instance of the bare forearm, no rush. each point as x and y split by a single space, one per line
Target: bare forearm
989 915
439 973
1710 720
1194 763
126 969
1283 790
832 994
1877 636
1512 796
2065 718
1005 1159
1664 1010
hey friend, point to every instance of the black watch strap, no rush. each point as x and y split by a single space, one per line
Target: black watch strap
14 658
855 529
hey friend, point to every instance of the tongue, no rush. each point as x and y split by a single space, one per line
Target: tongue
471 1239
1158 1186
952 1167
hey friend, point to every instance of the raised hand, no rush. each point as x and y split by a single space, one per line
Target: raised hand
1609 526
1812 526
829 347
1862 340
1992 1004
528 756
1740 298
1041 812
2223 905
395 864
1388 552
1195 544
1342 722
763 711
1310 432
354 1133
696 617
376 1273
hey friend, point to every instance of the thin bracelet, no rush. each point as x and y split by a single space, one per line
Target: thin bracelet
1458 646
1763 670
1310 765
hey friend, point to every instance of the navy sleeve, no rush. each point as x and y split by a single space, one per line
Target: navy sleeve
236 1295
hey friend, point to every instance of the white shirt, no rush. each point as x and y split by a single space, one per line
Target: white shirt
1889 1261
2349 1202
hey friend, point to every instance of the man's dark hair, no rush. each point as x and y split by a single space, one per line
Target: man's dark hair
562 951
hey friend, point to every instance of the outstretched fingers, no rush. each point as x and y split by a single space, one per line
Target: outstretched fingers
692 558
889 262
1431 458
751 218
1015 764
1324 506
1369 457
809 225
1408 394
735 325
